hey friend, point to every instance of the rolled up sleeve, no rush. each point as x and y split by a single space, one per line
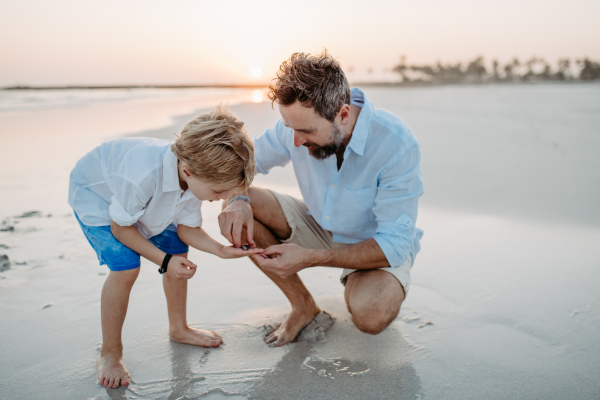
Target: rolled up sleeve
270 148
400 184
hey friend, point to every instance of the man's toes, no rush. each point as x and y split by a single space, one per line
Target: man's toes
117 383
125 381
110 382
101 381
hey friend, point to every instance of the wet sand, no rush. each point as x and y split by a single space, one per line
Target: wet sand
503 304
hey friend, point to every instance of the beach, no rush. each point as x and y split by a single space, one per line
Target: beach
504 301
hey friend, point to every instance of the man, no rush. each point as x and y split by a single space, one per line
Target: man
359 173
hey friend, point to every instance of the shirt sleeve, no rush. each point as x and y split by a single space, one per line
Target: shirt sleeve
190 215
270 149
129 200
400 184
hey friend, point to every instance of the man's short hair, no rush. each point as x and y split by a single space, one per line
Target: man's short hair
315 81
217 149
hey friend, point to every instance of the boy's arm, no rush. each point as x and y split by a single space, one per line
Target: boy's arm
199 239
178 267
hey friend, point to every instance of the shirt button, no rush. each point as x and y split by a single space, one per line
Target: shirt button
333 186
327 218
333 156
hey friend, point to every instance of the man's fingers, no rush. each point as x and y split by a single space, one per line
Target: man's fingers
237 234
250 233
271 250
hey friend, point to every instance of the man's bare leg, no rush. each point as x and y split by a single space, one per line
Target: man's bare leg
373 298
113 305
270 223
179 331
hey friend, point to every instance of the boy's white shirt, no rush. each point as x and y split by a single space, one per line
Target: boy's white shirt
133 181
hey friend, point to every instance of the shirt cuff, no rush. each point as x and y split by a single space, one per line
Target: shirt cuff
395 249
118 213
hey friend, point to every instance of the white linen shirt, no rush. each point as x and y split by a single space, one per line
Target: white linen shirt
375 193
132 181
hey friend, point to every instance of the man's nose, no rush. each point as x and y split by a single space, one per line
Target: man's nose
298 141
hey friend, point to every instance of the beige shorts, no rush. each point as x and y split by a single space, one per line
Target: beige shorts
306 232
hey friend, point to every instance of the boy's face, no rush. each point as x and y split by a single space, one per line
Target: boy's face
203 190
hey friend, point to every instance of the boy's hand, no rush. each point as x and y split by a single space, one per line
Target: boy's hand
181 268
234 252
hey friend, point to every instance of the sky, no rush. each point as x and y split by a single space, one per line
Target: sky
83 42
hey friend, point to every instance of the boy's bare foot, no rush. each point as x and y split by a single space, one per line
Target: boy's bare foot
293 323
111 371
197 337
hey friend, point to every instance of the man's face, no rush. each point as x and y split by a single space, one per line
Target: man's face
322 137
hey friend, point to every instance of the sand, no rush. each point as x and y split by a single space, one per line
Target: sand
504 301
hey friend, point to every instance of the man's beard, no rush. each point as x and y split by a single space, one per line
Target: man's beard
322 152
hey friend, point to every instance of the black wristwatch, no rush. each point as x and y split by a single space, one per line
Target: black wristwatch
165 264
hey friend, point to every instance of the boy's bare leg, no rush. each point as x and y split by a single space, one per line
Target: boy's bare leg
179 331
270 221
114 302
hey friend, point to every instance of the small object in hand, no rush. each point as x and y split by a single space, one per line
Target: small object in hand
245 247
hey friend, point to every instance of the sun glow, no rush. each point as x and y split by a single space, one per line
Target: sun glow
256 72
257 96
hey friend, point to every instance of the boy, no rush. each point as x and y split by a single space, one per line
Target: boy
132 195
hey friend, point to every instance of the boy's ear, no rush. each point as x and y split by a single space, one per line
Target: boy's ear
185 170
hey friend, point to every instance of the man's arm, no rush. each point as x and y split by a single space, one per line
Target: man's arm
271 149
235 218
178 268
398 192
288 259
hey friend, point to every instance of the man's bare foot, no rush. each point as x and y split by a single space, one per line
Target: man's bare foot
293 323
111 371
197 337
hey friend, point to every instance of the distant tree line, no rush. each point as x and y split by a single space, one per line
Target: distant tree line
475 71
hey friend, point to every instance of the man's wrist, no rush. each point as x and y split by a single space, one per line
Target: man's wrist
316 258
245 198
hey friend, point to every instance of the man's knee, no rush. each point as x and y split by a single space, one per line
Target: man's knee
374 299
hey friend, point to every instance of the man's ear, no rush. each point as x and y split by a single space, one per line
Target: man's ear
344 114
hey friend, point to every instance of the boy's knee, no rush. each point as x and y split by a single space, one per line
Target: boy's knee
127 277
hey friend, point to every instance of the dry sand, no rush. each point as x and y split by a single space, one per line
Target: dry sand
504 301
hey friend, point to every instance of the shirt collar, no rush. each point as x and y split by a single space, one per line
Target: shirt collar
170 172
361 129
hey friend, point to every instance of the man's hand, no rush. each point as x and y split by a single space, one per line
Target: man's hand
181 268
234 219
233 252
285 260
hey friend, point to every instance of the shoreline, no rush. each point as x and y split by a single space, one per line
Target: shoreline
265 86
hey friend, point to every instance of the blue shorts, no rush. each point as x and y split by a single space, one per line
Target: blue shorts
119 257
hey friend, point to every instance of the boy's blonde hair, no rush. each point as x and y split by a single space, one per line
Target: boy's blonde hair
216 148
